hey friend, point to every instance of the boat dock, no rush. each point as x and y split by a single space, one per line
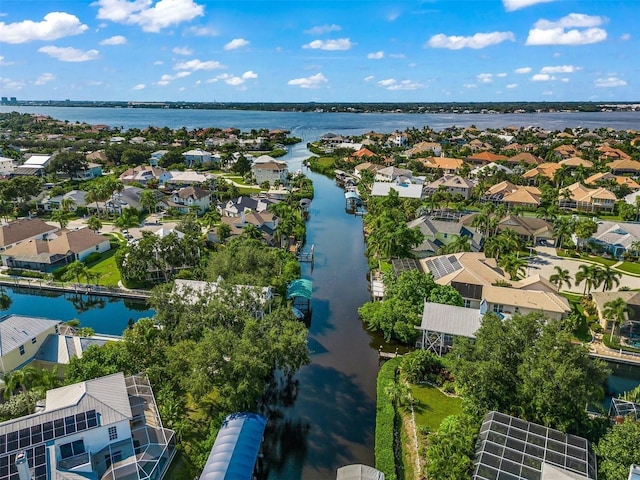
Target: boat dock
77 288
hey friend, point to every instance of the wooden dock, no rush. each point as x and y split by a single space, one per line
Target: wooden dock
35 284
307 257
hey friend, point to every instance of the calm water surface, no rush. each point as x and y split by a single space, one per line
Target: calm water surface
326 418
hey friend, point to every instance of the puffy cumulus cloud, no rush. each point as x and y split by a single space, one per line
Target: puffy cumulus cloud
542 77
69 54
612 81
140 86
512 85
167 79
196 64
522 70
149 16
485 77
405 85
322 29
560 69
10 84
115 40
236 43
182 51
53 26
235 80
338 44
44 79
387 82
477 41
573 29
368 79
314 81
376 55
511 5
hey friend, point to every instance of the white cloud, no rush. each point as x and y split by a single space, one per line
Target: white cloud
470 85
4 63
249 75
115 40
321 29
583 30
523 70
197 64
560 69
625 36
236 43
140 86
44 78
314 81
612 81
501 75
338 44
512 85
69 54
10 84
167 79
479 40
54 25
405 85
202 31
542 77
158 62
234 80
376 55
511 5
150 17
182 51
386 83
368 79
485 77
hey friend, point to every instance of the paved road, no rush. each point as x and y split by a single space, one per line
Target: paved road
546 259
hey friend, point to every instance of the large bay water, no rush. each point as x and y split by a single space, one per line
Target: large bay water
326 418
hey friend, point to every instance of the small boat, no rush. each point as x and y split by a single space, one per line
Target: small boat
299 315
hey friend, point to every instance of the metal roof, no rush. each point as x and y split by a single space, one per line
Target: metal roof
16 330
300 288
359 472
236 448
450 319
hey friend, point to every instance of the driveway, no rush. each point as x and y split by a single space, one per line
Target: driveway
546 258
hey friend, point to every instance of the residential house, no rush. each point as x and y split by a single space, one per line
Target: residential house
423 147
143 173
190 197
602 177
268 169
92 170
372 167
525 158
99 156
77 197
513 195
20 339
631 299
266 222
332 139
252 143
575 162
565 151
156 156
196 157
438 233
392 174
484 158
405 190
187 178
7 166
360 155
624 167
609 153
107 427
128 197
591 200
489 169
509 301
617 238
453 184
530 229
255 299
546 170
22 230
59 249
444 164
34 165
236 206
398 139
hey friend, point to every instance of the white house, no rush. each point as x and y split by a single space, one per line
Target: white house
7 166
188 197
108 427
196 157
268 169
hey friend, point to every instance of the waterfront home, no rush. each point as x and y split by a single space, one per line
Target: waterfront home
268 169
441 324
439 233
24 229
196 157
513 195
78 198
107 427
632 300
236 206
190 197
452 184
265 222
21 337
57 250
143 173
586 199
405 190
249 297
372 167
392 174
509 301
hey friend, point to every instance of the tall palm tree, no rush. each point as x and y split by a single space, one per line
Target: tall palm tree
589 275
76 270
561 277
148 199
514 266
617 311
607 277
68 204
62 217
461 243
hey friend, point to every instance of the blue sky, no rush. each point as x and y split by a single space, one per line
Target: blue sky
324 51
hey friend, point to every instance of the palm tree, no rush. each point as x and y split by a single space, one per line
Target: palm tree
76 270
607 277
561 277
617 311
94 223
514 266
148 200
21 378
62 217
589 275
68 204
461 243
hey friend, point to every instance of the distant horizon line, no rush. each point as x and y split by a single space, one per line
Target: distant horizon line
218 102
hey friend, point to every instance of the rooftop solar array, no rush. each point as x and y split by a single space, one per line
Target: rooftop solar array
511 449
443 266
404 264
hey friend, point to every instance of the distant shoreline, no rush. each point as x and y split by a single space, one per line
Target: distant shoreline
355 107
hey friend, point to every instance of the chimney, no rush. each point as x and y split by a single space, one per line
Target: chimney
23 466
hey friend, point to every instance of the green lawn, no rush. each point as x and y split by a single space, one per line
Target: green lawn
106 266
432 406
629 267
600 260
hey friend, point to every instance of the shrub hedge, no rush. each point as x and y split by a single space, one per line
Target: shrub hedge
385 420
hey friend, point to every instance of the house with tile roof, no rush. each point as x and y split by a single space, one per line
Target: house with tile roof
421 148
610 153
143 173
586 199
485 157
526 158
513 195
565 151
602 177
575 162
372 167
392 174
24 229
453 184
444 164
624 167
546 170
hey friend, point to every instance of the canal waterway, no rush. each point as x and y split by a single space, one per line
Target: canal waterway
326 417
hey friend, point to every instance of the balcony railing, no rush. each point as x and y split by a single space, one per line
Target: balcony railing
75 461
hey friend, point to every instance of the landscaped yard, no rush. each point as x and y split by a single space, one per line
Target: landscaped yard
432 406
107 268
629 267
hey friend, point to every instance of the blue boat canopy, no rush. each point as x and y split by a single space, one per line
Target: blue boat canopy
300 288
351 195
235 451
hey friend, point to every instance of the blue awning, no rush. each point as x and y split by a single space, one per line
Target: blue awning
350 195
235 451
300 288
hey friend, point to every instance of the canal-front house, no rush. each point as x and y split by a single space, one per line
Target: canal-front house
18 231
20 339
62 248
268 169
105 428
